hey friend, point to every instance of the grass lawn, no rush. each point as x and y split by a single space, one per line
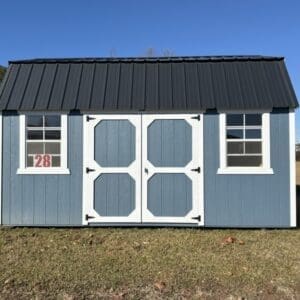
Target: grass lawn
149 263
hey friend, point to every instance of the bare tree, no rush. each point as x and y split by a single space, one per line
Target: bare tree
168 52
150 52
112 52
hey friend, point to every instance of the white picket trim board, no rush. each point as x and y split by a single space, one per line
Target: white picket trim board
1 182
293 198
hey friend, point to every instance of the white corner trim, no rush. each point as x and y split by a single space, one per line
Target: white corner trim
64 149
1 149
266 151
45 171
245 171
292 139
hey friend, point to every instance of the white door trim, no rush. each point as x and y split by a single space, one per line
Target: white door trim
134 169
197 178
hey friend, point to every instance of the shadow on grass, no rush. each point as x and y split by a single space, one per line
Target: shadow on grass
298 205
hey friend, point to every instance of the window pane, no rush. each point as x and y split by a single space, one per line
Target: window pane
34 134
34 121
55 161
253 147
253 133
244 161
52 148
253 119
235 147
29 162
52 134
234 120
35 148
234 133
52 121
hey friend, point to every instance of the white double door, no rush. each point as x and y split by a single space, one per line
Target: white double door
143 169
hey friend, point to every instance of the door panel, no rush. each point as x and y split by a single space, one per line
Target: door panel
169 195
114 195
171 183
114 143
112 154
169 143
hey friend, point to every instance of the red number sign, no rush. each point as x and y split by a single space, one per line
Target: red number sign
42 160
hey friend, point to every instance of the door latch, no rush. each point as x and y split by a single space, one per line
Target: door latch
198 170
198 218
196 117
87 217
88 170
88 118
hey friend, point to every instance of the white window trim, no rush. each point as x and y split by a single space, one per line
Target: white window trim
266 168
64 151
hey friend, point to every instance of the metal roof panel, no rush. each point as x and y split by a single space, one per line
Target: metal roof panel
150 84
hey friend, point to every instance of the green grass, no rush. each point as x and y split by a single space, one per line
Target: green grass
148 263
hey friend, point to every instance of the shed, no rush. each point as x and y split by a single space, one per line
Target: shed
179 141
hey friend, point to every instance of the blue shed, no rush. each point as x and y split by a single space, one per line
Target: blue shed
180 141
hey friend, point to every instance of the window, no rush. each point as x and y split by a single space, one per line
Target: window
43 144
244 143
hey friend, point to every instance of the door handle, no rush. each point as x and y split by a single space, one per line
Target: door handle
146 170
88 170
198 170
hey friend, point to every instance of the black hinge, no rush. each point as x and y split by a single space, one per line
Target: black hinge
88 170
88 118
87 217
198 218
198 170
196 117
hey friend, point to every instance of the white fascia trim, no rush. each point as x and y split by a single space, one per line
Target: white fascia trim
266 169
64 147
292 139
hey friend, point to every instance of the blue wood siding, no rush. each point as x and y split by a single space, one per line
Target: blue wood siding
248 200
229 200
41 199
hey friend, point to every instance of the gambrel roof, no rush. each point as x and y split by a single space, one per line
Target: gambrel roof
147 84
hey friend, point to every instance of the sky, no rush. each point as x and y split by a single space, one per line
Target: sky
78 28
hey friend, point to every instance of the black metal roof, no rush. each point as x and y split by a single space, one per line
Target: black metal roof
147 84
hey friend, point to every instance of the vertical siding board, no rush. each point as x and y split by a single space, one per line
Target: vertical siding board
39 199
51 199
76 165
27 200
63 200
6 172
15 180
